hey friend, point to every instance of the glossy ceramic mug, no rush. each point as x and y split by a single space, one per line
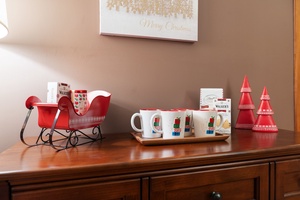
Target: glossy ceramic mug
145 115
80 101
188 121
172 123
205 122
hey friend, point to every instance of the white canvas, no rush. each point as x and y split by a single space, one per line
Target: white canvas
161 19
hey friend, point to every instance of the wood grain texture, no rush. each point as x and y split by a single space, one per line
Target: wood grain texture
297 63
121 154
185 140
120 167
247 182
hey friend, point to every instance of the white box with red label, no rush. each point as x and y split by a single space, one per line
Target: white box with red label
223 107
56 90
207 95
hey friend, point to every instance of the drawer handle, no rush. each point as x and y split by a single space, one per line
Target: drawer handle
215 196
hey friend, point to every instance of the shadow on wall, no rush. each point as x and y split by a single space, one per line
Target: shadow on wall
117 118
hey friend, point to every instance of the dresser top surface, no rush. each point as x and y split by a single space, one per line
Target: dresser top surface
120 153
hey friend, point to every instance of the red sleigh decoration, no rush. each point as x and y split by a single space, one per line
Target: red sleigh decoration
62 116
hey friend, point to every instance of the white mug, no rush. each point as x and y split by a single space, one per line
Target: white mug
205 122
172 123
145 116
80 101
188 121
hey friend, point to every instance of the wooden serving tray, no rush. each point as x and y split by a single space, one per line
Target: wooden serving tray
190 139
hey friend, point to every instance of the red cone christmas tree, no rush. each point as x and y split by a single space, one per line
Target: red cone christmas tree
246 116
264 121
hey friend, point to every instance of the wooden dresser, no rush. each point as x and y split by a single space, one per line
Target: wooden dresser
247 165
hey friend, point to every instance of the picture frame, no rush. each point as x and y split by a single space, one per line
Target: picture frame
153 19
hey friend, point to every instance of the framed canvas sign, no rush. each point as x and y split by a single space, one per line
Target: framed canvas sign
157 19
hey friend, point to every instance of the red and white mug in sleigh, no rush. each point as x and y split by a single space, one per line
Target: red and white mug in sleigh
80 102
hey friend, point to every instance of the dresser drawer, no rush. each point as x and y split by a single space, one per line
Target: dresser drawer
245 182
4 190
128 189
288 179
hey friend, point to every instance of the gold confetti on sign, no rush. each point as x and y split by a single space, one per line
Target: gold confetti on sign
165 8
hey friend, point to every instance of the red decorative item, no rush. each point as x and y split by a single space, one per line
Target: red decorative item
264 121
62 116
177 121
246 116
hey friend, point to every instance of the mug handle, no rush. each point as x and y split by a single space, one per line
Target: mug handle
221 122
152 124
132 122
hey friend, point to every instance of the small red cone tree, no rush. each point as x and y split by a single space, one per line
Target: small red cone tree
264 122
246 116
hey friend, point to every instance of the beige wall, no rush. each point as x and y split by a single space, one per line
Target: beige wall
58 40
